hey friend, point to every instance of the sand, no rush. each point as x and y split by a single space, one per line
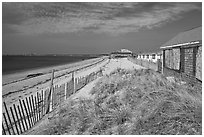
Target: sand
20 89
112 65
107 66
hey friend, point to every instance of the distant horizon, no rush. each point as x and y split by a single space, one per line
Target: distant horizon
33 54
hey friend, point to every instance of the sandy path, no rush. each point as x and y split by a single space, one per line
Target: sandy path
123 63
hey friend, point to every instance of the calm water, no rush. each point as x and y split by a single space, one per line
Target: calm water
13 64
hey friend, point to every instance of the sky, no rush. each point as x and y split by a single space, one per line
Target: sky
94 28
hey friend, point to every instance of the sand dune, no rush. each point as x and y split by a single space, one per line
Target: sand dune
108 66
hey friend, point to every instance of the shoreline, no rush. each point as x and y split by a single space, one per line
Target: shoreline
11 93
23 75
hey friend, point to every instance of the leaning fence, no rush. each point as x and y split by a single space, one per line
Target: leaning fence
21 117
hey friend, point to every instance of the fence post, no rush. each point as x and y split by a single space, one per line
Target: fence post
49 94
54 96
163 61
65 90
67 87
42 100
73 79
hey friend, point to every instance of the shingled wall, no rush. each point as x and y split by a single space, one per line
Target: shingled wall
199 63
185 63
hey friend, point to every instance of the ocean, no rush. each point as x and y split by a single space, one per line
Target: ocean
13 64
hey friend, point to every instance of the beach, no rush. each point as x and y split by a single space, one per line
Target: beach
18 86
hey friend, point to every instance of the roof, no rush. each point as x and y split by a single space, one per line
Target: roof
125 51
185 38
122 51
150 53
116 52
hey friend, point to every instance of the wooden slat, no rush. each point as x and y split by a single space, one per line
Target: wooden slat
32 111
38 100
36 108
18 119
67 90
26 110
24 118
7 126
50 93
15 122
29 111
21 118
3 129
53 96
42 100
45 105
9 117
34 114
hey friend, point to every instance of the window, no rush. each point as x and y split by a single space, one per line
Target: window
172 58
153 56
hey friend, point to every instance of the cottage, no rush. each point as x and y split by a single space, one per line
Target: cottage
150 56
121 53
182 56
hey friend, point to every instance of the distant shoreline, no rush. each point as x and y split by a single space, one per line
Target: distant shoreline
18 63
24 74
24 85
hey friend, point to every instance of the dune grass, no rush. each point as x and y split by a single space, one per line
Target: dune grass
133 102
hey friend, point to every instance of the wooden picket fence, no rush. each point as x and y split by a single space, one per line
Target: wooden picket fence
19 118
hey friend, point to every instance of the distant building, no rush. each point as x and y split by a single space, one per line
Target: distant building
121 53
149 56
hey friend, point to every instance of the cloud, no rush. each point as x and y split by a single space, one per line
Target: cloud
109 18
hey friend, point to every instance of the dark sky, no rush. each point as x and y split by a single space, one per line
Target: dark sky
61 28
